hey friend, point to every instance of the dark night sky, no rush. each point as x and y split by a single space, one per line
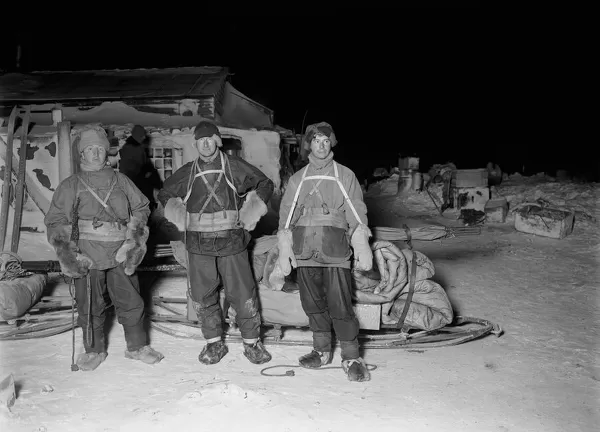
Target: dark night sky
434 83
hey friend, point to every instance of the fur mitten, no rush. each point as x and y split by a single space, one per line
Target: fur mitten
363 255
252 210
287 259
132 252
72 263
176 213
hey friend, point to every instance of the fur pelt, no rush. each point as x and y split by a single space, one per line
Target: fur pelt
72 263
252 210
132 252
287 259
176 213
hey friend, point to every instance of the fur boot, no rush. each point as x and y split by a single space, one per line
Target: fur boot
252 210
72 263
132 252
176 213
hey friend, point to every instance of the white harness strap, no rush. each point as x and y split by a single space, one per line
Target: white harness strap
203 173
321 177
103 202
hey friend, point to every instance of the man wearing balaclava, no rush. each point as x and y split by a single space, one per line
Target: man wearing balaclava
216 200
97 225
322 224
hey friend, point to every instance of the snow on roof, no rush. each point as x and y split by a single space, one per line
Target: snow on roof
113 85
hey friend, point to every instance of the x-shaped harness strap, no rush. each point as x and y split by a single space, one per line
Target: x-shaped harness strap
103 202
211 189
321 177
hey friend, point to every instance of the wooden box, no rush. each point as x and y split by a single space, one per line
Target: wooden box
496 210
471 198
369 315
408 163
546 222
470 178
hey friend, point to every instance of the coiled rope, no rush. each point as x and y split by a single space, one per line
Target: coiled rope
10 267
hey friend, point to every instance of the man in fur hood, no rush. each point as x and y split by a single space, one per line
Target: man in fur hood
322 225
215 201
97 225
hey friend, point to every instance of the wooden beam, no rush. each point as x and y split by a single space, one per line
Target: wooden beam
63 152
34 191
20 189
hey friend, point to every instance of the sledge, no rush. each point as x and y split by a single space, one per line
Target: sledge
416 314
424 316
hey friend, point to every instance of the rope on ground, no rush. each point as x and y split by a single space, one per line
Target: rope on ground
10 267
291 373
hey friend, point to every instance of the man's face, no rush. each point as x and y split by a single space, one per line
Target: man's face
94 154
207 146
320 146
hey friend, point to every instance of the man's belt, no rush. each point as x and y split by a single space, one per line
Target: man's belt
101 231
212 222
216 234
320 217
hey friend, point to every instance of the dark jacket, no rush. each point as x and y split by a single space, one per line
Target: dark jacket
135 164
244 176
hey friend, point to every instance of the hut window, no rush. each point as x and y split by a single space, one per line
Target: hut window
232 146
162 159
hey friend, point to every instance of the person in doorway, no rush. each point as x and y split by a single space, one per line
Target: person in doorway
323 215
203 199
97 225
135 164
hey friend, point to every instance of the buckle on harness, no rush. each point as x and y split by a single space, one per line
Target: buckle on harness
96 223
325 208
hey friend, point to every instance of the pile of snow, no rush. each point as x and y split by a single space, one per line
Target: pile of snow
388 186
417 201
583 198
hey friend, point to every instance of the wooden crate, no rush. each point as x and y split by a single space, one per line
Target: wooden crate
369 316
471 198
470 178
496 210
553 223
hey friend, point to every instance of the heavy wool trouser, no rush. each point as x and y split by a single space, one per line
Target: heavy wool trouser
124 292
240 292
325 293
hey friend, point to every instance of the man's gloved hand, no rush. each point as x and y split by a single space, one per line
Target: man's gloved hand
286 259
363 255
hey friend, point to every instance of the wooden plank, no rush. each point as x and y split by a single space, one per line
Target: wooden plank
8 160
63 153
20 190
34 191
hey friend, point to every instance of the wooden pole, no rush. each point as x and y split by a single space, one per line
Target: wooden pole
56 117
64 152
20 189
33 190
7 186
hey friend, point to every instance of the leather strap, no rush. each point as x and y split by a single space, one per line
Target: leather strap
411 290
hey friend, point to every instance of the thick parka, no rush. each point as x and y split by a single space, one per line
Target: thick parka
125 203
242 175
316 245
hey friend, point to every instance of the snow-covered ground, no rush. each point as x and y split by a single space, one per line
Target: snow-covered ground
542 374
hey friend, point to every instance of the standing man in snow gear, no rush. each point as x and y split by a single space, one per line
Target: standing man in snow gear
108 245
322 215
135 164
203 199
